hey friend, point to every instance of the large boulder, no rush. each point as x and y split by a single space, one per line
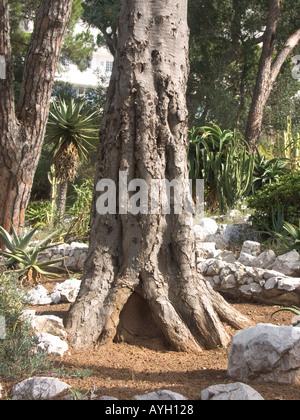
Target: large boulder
266 353
230 392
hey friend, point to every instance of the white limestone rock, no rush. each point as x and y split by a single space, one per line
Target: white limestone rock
230 392
266 353
160 396
210 226
66 292
252 248
52 344
49 324
39 388
39 296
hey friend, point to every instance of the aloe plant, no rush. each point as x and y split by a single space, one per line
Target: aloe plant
295 310
15 242
22 257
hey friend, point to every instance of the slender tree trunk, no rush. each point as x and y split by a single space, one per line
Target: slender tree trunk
144 133
268 72
22 129
61 198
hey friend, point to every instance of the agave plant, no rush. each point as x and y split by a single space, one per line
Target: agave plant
291 238
70 131
295 310
268 171
23 258
15 242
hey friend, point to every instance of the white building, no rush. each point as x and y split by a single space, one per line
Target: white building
98 72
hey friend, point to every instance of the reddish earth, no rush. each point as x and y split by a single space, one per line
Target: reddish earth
122 370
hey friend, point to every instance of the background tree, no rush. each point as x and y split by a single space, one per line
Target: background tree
274 54
102 14
144 133
22 127
225 51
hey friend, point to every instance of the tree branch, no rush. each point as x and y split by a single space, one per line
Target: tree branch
290 44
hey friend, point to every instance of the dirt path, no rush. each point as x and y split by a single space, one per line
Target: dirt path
122 370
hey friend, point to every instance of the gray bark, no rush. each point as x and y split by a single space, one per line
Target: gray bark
144 133
61 197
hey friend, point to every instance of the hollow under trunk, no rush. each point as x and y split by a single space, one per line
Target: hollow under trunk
144 134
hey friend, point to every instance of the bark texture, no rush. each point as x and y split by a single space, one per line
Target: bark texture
144 133
22 128
269 69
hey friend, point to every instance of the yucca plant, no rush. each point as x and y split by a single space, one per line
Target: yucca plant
295 310
70 131
23 258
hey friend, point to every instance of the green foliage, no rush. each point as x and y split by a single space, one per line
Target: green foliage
268 171
20 356
288 146
103 14
291 237
70 124
15 243
39 213
20 254
223 160
75 223
77 48
282 198
77 217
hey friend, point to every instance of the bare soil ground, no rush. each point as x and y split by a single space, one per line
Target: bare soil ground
122 370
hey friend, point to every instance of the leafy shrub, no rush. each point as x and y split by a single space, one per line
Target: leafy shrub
290 238
268 171
76 220
20 357
281 198
39 213
224 161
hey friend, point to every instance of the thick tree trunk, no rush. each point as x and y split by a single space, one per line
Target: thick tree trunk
22 130
268 72
144 133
